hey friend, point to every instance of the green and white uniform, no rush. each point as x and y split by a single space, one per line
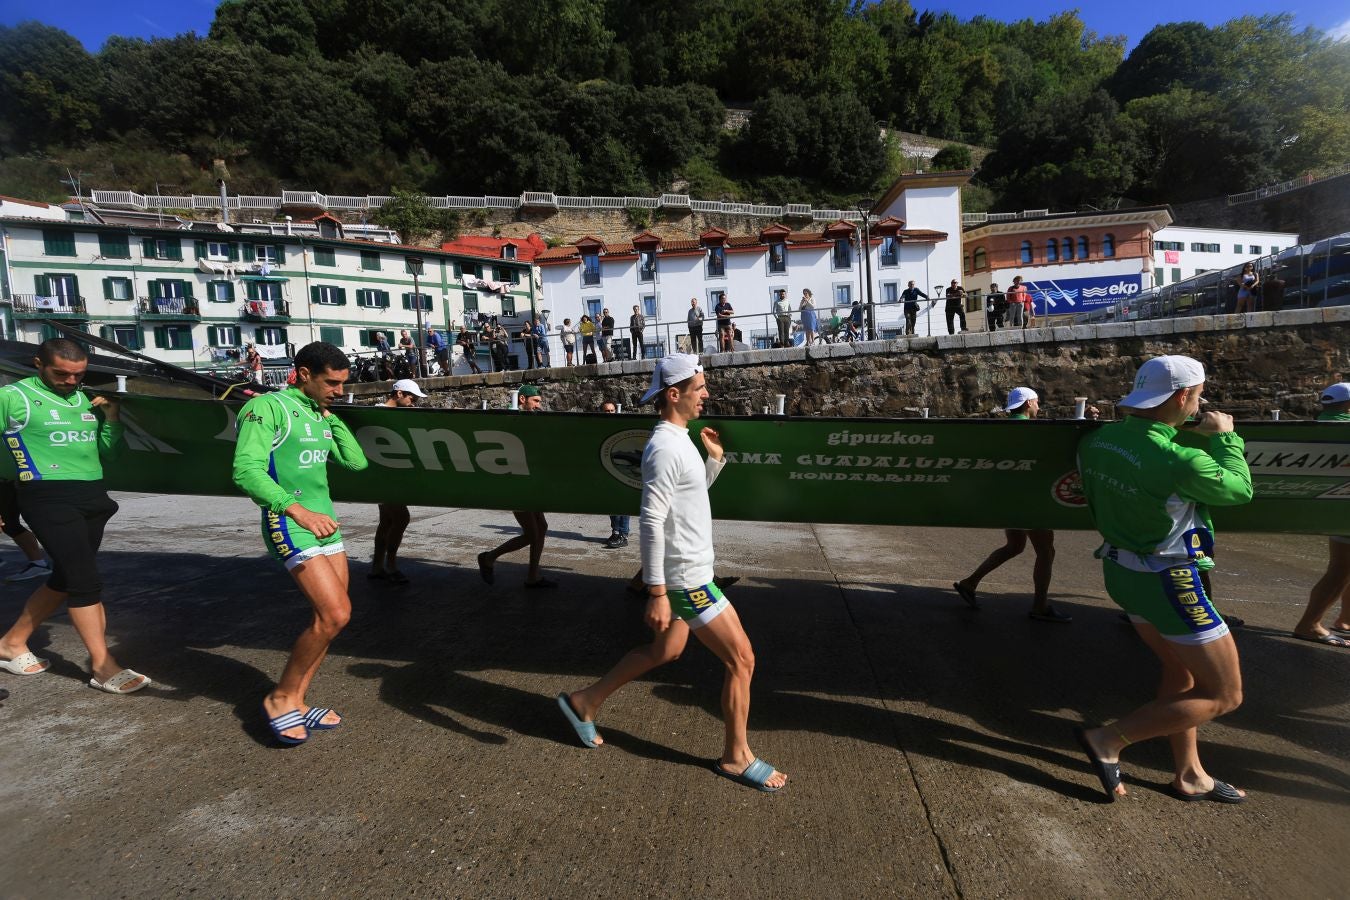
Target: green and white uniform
1336 417
281 459
1148 497
54 438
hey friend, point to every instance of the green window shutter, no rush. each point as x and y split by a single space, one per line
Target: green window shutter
148 248
229 290
384 299
199 249
42 285
107 289
105 332
470 301
314 294
407 301
285 336
156 291
342 296
58 243
252 289
281 255
114 246
428 303
257 335
187 290
75 286
161 338
248 253
331 334
211 336
324 256
174 248
232 251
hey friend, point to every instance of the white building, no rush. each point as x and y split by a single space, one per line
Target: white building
1181 252
912 236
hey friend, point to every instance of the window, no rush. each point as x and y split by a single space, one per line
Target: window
331 334
965 264
593 307
1176 275
265 253
413 301
1052 250
646 266
173 337
1254 249
264 290
508 274
1026 254
508 306
1083 246
114 246
370 260
981 260
270 335
1066 248
1207 248
218 251
462 269
716 264
167 289
890 251
649 307
842 257
328 295
508 251
372 299
65 288
219 291
58 243
890 292
155 248
590 269
117 289
324 256
1237 248
1169 245
777 258
843 295
1108 246
470 301
128 336
222 335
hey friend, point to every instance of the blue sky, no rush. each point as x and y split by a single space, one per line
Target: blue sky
92 21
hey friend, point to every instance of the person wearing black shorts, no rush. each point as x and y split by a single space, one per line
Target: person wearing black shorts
57 439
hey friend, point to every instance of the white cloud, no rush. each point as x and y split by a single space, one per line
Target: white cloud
1340 32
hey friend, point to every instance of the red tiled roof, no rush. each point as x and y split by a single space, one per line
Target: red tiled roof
38 203
527 248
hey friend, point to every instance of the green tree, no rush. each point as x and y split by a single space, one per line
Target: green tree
952 156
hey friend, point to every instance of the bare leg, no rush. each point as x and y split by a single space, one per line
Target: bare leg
91 623
1200 682
393 539
323 581
28 543
725 637
537 533
667 647
1043 542
40 607
1333 585
524 539
1016 542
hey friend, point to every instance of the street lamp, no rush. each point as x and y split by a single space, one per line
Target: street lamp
865 208
415 267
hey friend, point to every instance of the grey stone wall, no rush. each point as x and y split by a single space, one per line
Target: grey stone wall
1257 362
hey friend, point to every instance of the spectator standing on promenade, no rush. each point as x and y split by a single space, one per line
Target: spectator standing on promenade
1023 404
1248 283
911 295
1335 581
533 525
782 317
636 323
587 329
956 307
1018 297
409 349
725 326
286 440
468 349
382 344
394 517
695 320
440 349
253 362
498 347
59 439
810 320
618 525
568 334
528 343
995 305
607 336
677 557
1148 498
541 354
855 314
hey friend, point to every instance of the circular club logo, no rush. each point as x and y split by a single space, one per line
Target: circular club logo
621 455
1068 491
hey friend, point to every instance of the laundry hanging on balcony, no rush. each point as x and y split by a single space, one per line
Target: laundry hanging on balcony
48 302
474 283
261 308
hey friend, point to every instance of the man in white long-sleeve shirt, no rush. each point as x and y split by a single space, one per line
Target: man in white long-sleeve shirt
677 559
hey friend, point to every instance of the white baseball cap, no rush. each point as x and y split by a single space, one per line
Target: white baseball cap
1160 378
671 370
1019 395
1337 393
408 386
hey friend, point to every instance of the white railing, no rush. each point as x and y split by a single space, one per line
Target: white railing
680 201
1293 184
539 198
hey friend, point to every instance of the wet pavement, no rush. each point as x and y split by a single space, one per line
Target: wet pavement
928 745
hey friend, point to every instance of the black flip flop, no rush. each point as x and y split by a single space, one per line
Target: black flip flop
1108 773
966 594
1222 792
485 569
397 577
541 585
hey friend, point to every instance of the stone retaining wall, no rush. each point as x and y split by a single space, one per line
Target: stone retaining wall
1257 362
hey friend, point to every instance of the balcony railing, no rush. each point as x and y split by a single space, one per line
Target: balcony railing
34 306
266 311
168 309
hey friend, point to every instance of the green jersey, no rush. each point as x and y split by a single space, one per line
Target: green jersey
1148 493
55 438
285 443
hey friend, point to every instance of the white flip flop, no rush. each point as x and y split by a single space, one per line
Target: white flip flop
115 684
19 664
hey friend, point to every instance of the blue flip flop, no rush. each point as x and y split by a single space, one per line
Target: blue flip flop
314 719
585 730
285 722
755 775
